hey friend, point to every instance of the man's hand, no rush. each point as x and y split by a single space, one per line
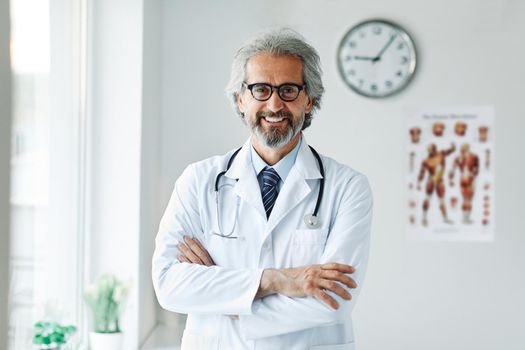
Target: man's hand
192 251
310 280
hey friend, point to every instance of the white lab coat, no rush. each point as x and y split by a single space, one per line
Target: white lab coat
211 296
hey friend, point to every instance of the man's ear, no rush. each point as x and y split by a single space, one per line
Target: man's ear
309 104
240 103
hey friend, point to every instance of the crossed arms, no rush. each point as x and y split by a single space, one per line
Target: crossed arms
299 282
187 281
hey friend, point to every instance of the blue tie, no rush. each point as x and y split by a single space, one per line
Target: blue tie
269 190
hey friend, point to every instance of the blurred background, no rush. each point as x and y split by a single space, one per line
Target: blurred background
103 103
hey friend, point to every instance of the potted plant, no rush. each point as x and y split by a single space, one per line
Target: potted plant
51 335
106 299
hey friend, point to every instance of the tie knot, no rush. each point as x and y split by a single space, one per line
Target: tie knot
270 176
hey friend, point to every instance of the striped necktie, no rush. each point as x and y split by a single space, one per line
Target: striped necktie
269 190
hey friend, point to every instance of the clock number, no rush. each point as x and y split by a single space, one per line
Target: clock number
360 82
373 87
348 58
399 73
404 60
400 46
376 30
388 84
352 44
362 34
351 72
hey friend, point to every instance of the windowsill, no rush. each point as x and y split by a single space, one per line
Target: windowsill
164 337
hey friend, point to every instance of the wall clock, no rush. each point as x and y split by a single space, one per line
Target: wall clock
377 58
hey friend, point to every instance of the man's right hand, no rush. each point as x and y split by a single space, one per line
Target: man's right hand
310 280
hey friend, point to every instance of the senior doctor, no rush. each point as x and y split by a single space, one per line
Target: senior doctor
266 247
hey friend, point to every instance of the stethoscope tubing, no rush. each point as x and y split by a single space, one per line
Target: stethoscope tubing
230 161
321 182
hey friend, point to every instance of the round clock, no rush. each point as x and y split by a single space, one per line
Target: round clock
377 58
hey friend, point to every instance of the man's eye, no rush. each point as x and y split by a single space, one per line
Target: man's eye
288 90
260 89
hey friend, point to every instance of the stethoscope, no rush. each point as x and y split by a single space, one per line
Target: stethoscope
312 221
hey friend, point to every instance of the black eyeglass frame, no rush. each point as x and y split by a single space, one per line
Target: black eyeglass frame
278 88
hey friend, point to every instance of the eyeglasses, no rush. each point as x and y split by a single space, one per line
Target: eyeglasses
287 92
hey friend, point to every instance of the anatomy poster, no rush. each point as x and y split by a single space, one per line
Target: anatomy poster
450 174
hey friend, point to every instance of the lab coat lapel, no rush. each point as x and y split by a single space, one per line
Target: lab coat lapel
297 185
247 186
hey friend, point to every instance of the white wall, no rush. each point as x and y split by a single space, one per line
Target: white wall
417 295
125 107
150 154
5 158
115 100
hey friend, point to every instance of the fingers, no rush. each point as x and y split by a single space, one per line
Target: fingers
336 288
189 254
328 300
194 252
208 257
199 250
338 267
338 276
182 258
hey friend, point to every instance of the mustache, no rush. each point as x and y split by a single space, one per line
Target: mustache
280 114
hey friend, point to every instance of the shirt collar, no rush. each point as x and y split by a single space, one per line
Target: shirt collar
282 167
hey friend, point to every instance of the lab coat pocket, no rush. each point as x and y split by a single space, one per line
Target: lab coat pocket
308 246
347 346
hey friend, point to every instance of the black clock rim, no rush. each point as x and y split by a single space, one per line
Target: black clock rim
404 32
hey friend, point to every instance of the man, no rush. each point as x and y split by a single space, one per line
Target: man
468 165
238 248
434 164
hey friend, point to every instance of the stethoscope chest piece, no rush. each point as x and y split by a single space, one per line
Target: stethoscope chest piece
312 221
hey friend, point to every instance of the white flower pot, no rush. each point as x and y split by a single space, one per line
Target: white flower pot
105 341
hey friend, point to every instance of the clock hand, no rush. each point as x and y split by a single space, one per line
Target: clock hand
364 58
378 57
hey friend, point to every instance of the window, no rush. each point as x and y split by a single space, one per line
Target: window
47 166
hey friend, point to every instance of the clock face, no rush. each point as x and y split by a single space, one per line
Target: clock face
377 58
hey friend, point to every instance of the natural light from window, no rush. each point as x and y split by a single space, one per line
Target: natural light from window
47 253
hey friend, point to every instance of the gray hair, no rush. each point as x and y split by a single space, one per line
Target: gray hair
283 41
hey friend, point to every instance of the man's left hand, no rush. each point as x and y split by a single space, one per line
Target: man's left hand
192 251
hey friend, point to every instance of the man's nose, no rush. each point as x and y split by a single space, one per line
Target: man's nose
275 104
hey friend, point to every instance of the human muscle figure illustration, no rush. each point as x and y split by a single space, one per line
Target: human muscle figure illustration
415 134
460 128
438 128
468 165
434 164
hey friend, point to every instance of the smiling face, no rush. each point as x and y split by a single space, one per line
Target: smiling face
274 123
